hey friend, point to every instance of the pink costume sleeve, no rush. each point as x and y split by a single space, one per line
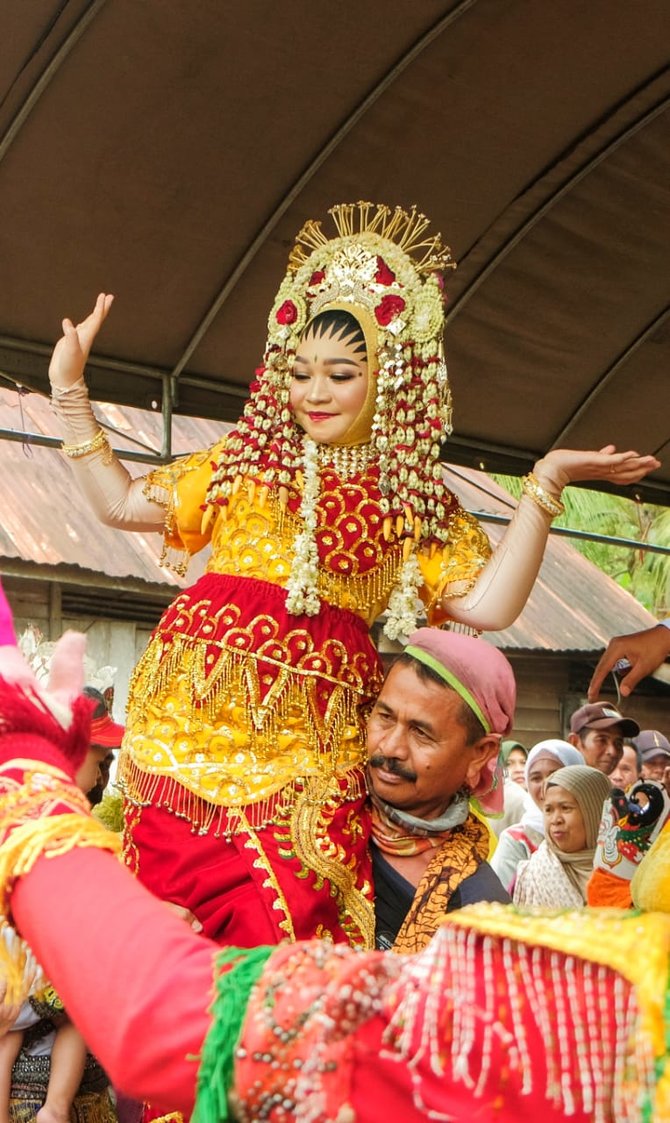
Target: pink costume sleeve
136 981
116 498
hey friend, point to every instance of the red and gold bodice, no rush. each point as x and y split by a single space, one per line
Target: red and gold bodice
237 700
359 558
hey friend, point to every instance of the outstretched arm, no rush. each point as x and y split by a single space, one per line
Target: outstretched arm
114 496
504 585
642 651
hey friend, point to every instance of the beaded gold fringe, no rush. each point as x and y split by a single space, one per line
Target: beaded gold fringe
235 676
51 837
365 593
141 787
173 557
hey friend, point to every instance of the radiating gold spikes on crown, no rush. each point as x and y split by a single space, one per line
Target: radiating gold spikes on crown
405 228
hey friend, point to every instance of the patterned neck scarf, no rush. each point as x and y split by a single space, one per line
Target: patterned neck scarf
459 857
397 832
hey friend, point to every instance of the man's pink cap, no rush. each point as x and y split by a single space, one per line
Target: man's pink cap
484 679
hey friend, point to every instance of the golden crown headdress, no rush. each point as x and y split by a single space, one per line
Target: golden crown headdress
381 259
405 228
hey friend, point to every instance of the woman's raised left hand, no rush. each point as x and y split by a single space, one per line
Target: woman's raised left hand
563 466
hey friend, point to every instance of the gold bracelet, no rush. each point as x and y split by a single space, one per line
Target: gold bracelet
532 487
97 442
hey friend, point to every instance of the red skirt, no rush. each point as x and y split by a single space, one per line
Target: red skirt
250 889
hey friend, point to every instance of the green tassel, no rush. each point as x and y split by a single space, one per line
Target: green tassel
233 989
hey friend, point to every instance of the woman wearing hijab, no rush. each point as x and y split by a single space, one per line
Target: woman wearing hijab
513 757
556 875
518 841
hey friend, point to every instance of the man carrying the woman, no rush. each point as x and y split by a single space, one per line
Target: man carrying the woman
433 743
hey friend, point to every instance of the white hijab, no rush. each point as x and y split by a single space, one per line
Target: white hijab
553 749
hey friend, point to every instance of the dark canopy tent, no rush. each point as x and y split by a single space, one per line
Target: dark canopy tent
169 151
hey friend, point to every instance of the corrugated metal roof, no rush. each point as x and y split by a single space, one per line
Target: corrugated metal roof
573 607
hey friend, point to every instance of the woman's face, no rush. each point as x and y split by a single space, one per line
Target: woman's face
539 771
329 386
563 821
516 765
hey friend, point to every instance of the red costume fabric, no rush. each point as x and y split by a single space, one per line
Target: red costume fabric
135 980
249 889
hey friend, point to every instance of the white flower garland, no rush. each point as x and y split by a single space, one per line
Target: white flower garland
403 603
302 585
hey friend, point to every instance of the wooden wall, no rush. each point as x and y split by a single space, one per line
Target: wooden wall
550 688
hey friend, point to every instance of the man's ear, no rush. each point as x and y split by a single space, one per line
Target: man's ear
481 753
575 739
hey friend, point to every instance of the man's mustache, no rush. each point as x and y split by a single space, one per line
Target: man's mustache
391 764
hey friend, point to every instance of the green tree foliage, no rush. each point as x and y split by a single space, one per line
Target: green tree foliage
644 574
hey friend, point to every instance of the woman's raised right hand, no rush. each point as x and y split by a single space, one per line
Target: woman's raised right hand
71 353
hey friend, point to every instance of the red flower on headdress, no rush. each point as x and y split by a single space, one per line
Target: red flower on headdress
317 277
388 308
288 313
384 275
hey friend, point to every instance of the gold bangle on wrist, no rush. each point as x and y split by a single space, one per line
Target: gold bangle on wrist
540 496
99 441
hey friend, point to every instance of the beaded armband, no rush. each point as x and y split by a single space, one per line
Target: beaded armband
85 448
41 813
532 487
